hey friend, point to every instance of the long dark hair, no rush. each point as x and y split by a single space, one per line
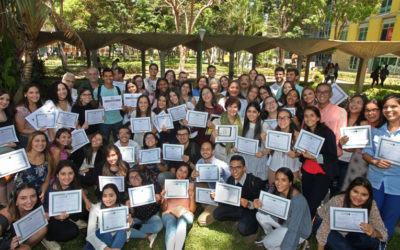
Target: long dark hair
88 150
264 112
240 96
120 163
57 136
157 92
359 181
24 102
289 174
78 102
201 105
283 96
361 116
320 126
54 95
148 111
378 103
9 111
246 123
158 144
116 191
292 125
66 164
12 205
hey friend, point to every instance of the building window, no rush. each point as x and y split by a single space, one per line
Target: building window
343 34
385 6
362 36
353 64
387 32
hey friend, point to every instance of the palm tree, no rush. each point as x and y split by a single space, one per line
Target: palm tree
23 19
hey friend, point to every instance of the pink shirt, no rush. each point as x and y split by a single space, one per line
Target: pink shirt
335 118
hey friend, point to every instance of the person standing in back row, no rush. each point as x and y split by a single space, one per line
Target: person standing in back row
383 74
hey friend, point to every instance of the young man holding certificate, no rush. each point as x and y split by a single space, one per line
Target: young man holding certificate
251 187
113 118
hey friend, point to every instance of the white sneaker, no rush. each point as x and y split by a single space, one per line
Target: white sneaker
152 238
51 245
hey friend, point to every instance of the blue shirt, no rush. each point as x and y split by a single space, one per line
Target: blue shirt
223 170
390 177
112 116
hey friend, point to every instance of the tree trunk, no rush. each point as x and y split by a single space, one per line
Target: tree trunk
93 58
281 57
27 69
182 57
62 55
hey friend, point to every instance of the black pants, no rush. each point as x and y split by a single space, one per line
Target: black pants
61 231
352 241
315 187
246 218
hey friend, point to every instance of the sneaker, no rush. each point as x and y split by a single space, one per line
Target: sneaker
152 238
51 245
81 224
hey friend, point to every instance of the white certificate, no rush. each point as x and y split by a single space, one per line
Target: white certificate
274 205
130 100
69 202
47 108
359 136
46 120
79 139
176 189
226 133
207 173
292 111
178 112
278 141
388 150
173 152
163 121
338 94
228 194
203 195
13 162
309 142
197 118
66 119
128 154
149 156
348 219
272 123
246 146
30 224
142 195
112 102
113 219
94 116
141 124
118 181
8 135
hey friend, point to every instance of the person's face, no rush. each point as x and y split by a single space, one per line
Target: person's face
153 71
134 179
260 81
372 112
69 81
97 141
173 98
108 77
162 102
143 104
202 83
4 101
286 88
124 135
358 196
391 110
92 75
39 143
224 82
270 105
355 105
109 197
283 120
214 86
65 139
323 94
66 176
183 77
132 88
252 114
150 141
112 158
26 199
183 136
232 110
185 89
253 94
182 173
279 75
61 92
233 89
33 95
263 94
206 151
292 98
310 118
139 82
237 169
309 96
163 86
282 183
206 95
170 77
291 77
253 74
244 82
211 72
86 97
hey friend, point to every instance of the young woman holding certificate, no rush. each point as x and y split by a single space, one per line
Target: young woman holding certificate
23 201
316 173
234 91
114 165
269 109
85 102
357 196
109 240
61 147
384 173
143 110
280 233
178 213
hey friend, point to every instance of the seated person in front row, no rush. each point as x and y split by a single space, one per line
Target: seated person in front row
357 195
285 234
251 187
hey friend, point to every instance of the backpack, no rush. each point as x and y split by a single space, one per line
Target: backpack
99 97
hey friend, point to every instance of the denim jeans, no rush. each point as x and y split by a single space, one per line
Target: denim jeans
151 226
352 241
107 129
116 239
175 230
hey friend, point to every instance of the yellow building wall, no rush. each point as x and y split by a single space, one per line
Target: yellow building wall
374 28
352 34
395 6
396 29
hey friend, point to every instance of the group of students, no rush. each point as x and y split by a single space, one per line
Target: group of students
352 178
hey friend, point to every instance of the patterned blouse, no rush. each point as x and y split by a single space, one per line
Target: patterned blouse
35 175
